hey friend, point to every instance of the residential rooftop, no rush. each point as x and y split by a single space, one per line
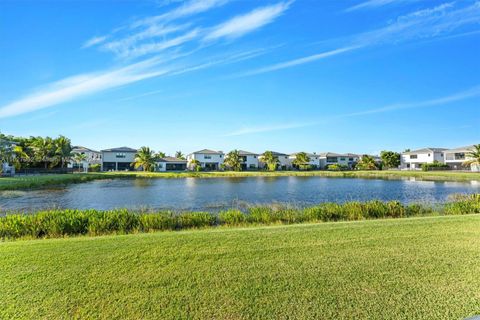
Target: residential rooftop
120 149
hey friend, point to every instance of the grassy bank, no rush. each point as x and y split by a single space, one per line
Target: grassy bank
386 174
37 181
60 223
420 268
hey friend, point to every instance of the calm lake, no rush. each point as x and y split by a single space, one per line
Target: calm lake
217 193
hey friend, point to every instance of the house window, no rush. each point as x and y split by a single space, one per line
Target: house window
207 157
332 159
413 156
342 159
121 155
350 159
429 154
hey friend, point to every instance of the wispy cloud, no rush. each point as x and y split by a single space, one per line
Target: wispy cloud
300 61
459 96
81 85
86 84
370 4
249 22
94 41
440 21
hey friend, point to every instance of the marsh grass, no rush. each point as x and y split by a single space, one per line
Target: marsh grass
61 223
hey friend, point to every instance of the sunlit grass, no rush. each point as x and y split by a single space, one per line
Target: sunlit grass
417 268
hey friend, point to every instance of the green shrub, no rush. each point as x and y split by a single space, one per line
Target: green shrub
337 167
59 223
94 167
232 217
434 166
195 220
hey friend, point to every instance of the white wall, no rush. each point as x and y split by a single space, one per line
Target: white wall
251 160
206 158
428 157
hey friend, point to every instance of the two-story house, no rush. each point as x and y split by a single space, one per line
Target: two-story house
209 159
91 157
314 159
249 160
413 160
456 157
284 162
329 158
118 159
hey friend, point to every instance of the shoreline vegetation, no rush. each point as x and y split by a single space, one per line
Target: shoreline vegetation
69 222
39 181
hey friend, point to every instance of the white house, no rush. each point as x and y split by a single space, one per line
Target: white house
209 159
118 159
314 159
91 157
413 160
329 158
284 162
455 158
249 160
171 164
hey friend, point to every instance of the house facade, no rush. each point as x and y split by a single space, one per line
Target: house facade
209 159
329 158
249 160
171 164
118 159
456 157
314 159
413 160
91 157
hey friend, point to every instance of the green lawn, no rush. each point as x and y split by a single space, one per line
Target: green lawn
417 268
35 181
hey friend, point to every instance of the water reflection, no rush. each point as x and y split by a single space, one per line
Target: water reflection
218 193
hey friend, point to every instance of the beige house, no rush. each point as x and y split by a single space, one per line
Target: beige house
118 159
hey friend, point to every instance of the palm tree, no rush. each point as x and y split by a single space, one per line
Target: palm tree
270 160
179 155
145 159
19 156
366 163
474 156
234 161
63 149
160 154
79 158
195 164
43 149
301 160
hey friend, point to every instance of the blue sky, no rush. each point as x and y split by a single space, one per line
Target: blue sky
345 76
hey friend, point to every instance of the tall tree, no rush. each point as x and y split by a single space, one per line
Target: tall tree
145 159
233 160
475 157
160 154
271 160
366 163
390 159
179 155
43 149
63 150
79 158
301 161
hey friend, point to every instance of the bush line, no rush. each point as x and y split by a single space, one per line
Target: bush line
61 223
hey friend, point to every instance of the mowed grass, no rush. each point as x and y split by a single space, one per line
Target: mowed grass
37 181
417 268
